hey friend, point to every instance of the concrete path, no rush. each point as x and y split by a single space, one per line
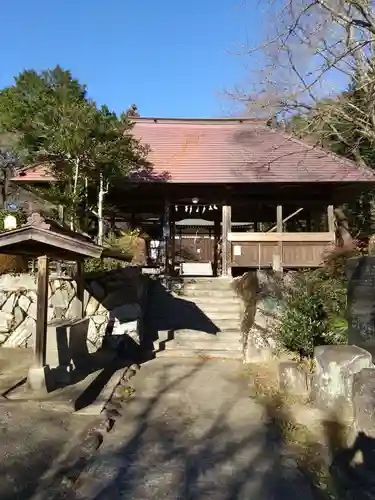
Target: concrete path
192 432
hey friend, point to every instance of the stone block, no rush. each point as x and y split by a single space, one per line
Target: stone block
19 316
21 334
37 378
129 328
6 320
24 302
293 379
92 306
3 298
67 343
11 283
127 312
74 310
93 332
335 367
32 310
364 401
9 304
61 298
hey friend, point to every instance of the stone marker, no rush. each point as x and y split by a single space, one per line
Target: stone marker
361 302
364 401
293 378
335 367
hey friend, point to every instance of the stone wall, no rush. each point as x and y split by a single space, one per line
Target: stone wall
261 294
113 304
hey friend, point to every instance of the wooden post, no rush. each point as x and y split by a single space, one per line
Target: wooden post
80 313
278 257
172 224
41 313
226 269
217 246
166 236
331 219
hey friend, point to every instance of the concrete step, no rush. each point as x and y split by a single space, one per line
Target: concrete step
228 336
213 301
209 294
204 284
202 344
214 315
209 353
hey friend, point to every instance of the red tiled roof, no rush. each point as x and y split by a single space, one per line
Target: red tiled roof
231 151
34 173
239 150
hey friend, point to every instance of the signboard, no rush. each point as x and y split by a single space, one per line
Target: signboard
237 250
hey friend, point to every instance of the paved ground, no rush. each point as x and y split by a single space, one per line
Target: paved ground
192 432
30 441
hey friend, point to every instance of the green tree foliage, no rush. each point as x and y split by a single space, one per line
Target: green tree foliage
84 147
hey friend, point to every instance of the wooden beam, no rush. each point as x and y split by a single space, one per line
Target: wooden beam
301 237
41 313
226 246
274 228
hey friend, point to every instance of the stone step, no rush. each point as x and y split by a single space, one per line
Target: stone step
224 312
213 315
208 294
205 353
202 344
229 335
213 301
216 284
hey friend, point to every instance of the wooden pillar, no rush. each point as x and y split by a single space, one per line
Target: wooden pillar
278 257
331 219
80 312
217 246
41 313
166 237
172 224
226 256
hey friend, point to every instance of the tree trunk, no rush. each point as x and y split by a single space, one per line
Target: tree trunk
100 210
5 187
75 186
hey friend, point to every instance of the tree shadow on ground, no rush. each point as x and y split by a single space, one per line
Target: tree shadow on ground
30 442
171 458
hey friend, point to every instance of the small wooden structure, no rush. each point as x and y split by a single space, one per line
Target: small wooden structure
44 241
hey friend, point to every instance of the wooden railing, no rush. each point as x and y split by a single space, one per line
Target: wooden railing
277 249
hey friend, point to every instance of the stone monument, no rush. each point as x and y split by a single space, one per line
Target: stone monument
361 302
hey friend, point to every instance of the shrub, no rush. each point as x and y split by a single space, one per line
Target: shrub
122 242
314 307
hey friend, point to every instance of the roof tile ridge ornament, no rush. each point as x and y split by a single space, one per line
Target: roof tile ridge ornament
36 220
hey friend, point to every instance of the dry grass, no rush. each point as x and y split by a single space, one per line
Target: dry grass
305 443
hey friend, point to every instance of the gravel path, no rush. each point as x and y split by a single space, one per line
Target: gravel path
191 432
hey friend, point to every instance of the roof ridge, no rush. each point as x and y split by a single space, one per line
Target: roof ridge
221 120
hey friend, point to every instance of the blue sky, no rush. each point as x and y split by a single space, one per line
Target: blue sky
170 57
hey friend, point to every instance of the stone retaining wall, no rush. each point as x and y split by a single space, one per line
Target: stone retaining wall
113 303
261 294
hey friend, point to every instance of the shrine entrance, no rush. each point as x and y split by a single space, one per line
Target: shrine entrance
194 243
